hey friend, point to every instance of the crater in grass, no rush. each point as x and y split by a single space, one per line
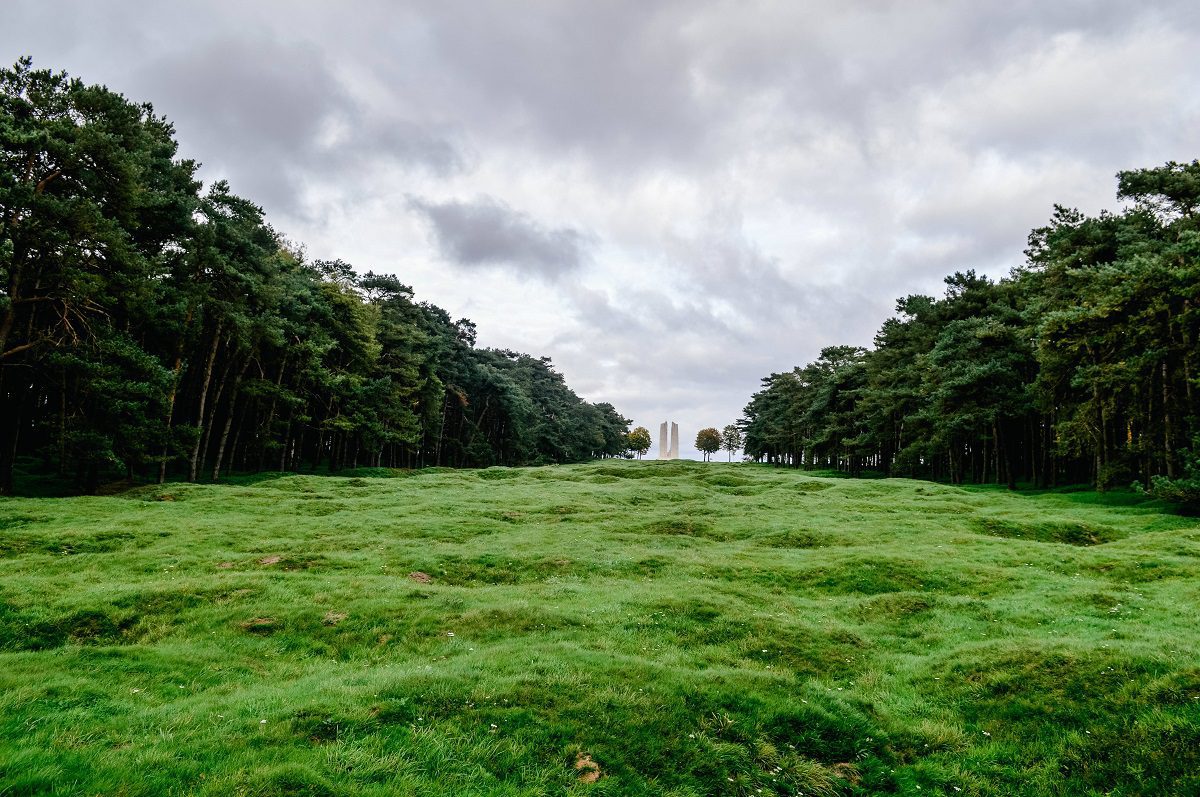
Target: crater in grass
260 625
71 543
32 630
17 521
321 725
1140 570
319 506
128 619
896 606
1070 533
793 539
1025 690
644 470
497 624
488 569
498 474
726 480
871 575
689 526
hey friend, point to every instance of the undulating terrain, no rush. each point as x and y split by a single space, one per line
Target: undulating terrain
610 628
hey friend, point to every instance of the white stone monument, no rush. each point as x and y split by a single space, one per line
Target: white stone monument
671 452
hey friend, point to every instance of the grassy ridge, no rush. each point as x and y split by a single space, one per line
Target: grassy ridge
675 628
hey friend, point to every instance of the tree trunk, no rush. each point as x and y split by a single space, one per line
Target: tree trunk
1010 461
233 397
287 441
1187 356
10 311
262 460
996 450
1168 453
236 446
175 373
437 459
10 435
208 369
215 409
62 425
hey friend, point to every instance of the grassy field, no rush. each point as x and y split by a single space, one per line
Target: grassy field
603 629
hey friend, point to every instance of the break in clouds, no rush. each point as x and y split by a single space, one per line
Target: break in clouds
669 199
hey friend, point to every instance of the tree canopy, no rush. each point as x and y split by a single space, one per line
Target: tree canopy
639 441
150 326
731 439
1080 366
708 442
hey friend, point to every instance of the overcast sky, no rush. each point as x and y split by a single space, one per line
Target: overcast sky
670 199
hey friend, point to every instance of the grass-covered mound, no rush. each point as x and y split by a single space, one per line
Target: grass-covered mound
615 628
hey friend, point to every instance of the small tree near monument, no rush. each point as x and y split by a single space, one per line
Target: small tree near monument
709 442
639 441
731 439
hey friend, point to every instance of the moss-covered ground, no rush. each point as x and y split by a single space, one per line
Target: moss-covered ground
605 629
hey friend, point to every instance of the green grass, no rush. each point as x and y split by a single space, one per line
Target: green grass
692 629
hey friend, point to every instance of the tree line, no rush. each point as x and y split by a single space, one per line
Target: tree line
1080 366
151 327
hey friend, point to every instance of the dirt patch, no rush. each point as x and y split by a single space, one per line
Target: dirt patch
224 565
270 560
166 497
333 618
587 769
419 577
259 625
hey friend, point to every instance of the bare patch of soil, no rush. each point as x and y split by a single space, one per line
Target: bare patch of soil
333 618
589 770
270 560
419 577
259 625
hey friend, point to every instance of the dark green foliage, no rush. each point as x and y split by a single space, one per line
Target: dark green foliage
1185 490
1079 367
708 441
149 329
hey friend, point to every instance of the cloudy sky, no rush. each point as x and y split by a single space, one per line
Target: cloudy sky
670 199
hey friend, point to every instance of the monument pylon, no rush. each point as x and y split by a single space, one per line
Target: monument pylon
668 450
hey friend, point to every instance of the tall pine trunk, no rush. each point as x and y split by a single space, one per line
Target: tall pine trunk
175 374
208 369
262 459
233 397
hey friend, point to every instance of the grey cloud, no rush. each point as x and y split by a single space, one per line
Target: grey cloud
487 232
641 86
277 118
